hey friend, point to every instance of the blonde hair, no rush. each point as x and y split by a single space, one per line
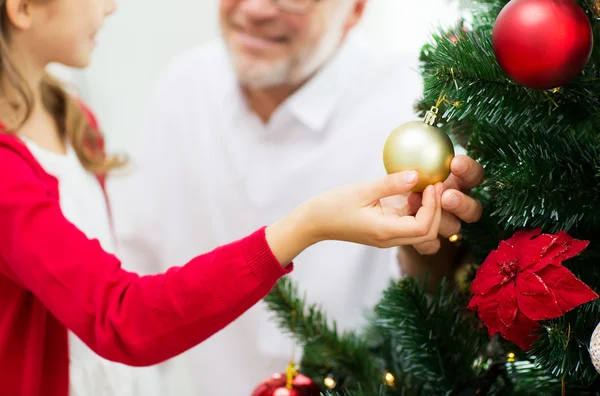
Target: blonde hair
74 122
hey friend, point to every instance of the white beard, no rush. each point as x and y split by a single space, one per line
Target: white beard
261 74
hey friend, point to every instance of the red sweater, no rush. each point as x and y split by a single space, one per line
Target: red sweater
53 278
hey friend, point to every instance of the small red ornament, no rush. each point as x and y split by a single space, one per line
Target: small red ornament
542 44
524 281
276 385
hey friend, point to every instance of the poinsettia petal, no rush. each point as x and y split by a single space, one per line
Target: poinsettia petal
534 298
568 290
572 246
507 304
488 274
530 284
487 311
562 248
474 303
542 264
522 237
485 284
506 252
522 332
535 250
558 246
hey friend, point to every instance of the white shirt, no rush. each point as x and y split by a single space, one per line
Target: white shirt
83 203
210 171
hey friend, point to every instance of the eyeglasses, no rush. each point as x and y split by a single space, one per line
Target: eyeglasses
295 6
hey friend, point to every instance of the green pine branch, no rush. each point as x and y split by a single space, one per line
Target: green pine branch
524 378
562 347
436 341
484 12
325 347
585 266
483 236
540 177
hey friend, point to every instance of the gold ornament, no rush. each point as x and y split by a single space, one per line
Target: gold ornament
420 146
595 348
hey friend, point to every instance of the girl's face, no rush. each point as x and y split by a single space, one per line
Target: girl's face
61 31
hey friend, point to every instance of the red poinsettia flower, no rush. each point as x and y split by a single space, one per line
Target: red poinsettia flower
524 281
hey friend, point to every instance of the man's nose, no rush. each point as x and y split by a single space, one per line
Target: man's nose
259 9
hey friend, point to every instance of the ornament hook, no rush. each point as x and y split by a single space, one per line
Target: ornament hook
431 116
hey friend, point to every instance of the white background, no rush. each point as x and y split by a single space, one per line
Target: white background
140 38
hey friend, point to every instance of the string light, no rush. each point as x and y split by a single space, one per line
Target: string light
454 238
389 379
329 382
510 357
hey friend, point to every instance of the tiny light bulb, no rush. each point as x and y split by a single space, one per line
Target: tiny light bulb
389 378
329 382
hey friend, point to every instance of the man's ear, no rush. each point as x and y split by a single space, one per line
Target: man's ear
19 13
356 13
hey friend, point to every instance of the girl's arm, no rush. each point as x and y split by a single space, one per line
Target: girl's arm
121 316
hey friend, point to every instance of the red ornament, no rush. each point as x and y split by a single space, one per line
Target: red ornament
542 44
301 385
524 281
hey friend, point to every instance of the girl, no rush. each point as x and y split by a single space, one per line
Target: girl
56 272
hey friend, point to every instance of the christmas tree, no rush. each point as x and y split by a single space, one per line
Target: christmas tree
519 317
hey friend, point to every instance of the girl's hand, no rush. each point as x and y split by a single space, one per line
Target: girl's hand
354 213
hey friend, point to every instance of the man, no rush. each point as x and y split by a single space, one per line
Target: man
290 103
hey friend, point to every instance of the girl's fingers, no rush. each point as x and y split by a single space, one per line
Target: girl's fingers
429 247
424 226
412 227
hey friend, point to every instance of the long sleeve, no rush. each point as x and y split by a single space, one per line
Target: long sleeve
120 315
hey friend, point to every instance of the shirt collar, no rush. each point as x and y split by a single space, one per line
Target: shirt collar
315 102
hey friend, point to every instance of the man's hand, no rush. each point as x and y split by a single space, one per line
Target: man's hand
466 173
